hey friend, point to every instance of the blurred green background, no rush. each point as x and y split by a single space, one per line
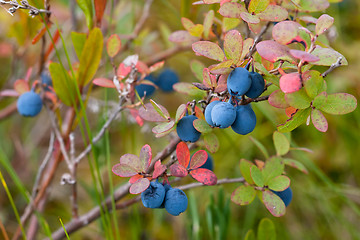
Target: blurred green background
326 202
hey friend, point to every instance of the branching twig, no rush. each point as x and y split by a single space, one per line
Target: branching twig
257 40
332 67
33 11
94 214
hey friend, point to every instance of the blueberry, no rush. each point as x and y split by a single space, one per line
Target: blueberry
175 201
186 131
286 195
46 80
223 114
245 120
208 110
153 196
257 85
238 82
167 187
29 104
149 89
209 164
167 79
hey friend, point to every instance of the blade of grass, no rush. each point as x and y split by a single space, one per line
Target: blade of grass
67 236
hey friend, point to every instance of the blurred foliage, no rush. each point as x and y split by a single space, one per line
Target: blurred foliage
325 204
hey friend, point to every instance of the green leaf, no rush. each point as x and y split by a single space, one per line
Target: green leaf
279 183
319 120
232 10
266 230
208 49
90 57
277 99
339 103
256 6
257 176
295 164
233 44
245 167
180 112
158 109
86 7
298 99
78 40
323 23
113 45
63 85
282 144
273 167
197 69
313 5
202 126
273 13
163 127
208 22
320 100
196 30
313 83
250 235
273 203
295 121
243 195
247 17
327 56
211 142
229 23
188 89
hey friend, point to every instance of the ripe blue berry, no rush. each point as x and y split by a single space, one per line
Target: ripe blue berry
29 104
286 195
223 114
167 79
153 196
149 89
245 121
257 85
46 80
186 131
175 201
208 110
238 82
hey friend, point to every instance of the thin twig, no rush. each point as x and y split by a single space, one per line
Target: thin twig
33 11
250 100
94 213
257 40
332 67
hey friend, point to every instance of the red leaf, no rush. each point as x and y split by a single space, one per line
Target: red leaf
136 116
221 85
183 154
159 169
139 186
123 71
319 120
145 157
156 66
304 56
99 10
178 170
290 111
132 161
204 176
135 178
290 82
150 114
273 51
198 159
123 170
103 82
208 49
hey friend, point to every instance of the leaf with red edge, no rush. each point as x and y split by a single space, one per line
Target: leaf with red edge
202 126
255 28
21 86
303 56
273 51
123 170
180 112
249 18
198 159
187 23
163 127
246 47
211 1
243 195
222 68
204 176
135 178
156 66
327 56
113 45
290 82
208 22
139 186
285 32
99 10
211 142
104 82
273 13
182 36
273 203
256 6
277 99
178 170
150 114
145 157
323 23
163 134
183 154
232 10
222 86
313 5
132 161
206 78
319 120
208 49
199 113
159 169
233 44
159 109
